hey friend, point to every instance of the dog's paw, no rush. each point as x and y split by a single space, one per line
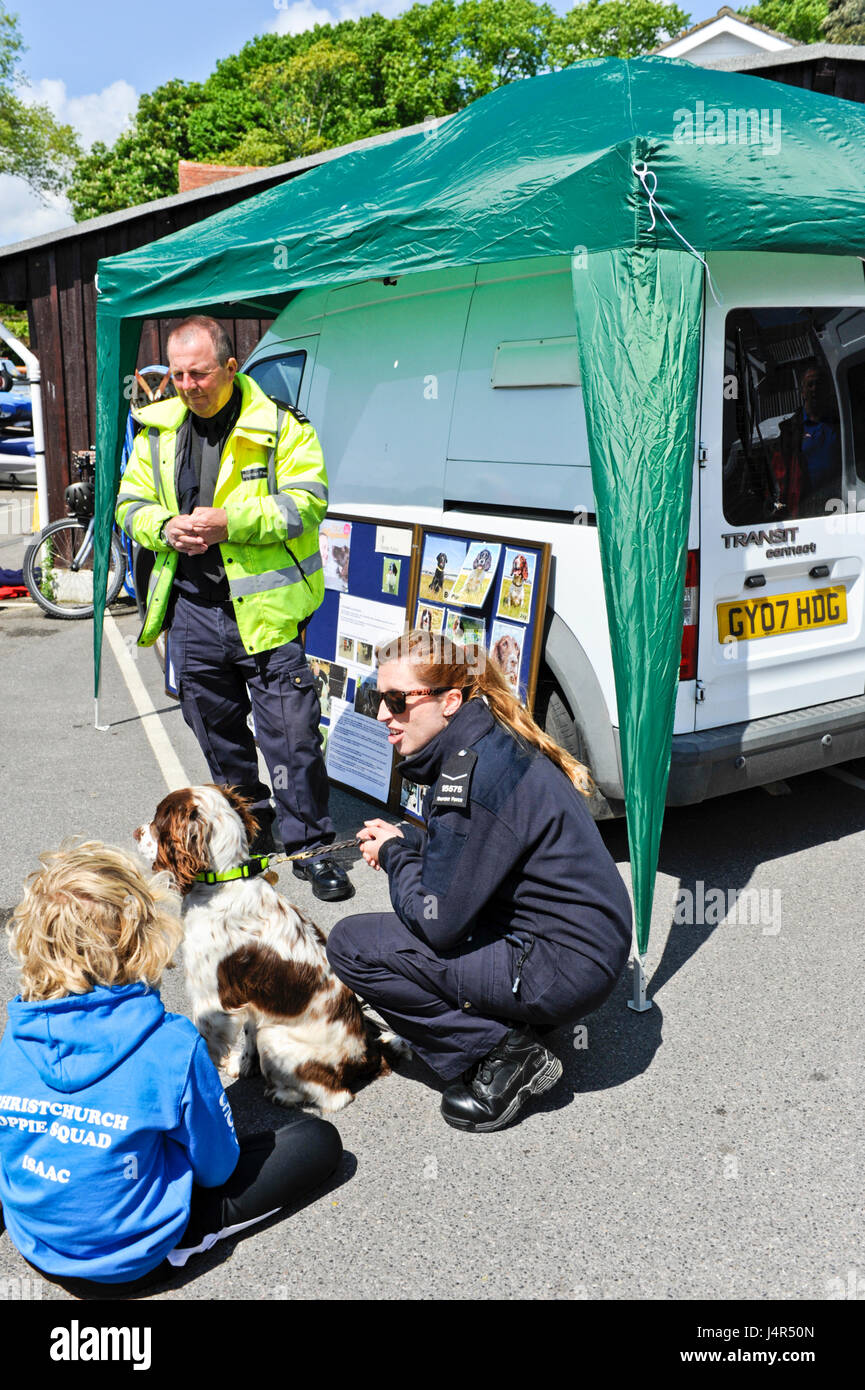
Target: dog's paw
231 1067
335 1100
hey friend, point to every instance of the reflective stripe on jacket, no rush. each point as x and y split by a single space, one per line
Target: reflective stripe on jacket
274 492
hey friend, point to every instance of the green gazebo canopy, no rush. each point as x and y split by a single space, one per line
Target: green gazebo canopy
557 165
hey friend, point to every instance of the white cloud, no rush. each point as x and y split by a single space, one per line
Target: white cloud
295 16
96 116
24 215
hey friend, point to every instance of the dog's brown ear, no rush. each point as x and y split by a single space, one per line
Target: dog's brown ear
241 805
181 837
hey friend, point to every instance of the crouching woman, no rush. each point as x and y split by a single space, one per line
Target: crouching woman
509 914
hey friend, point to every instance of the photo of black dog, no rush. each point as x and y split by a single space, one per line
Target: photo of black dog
438 579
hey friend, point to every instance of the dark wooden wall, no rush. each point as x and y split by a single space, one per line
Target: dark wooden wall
57 284
831 77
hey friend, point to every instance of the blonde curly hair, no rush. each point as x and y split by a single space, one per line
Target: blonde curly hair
88 917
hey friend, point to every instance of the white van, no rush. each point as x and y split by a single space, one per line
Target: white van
453 399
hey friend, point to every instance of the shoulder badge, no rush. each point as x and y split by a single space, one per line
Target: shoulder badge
452 787
290 410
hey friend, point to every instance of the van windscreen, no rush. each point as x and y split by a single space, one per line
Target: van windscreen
791 444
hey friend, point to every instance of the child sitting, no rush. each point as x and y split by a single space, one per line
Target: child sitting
118 1157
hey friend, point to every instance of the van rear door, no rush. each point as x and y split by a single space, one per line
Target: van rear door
782 544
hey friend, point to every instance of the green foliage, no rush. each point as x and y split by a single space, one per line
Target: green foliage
287 95
798 19
17 321
616 29
34 146
845 22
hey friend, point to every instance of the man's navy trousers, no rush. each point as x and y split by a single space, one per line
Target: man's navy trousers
219 683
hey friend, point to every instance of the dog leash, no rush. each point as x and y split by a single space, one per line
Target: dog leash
258 863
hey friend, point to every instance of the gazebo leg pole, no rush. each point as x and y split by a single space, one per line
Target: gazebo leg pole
639 1003
96 723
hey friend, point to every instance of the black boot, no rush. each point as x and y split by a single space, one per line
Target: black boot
494 1090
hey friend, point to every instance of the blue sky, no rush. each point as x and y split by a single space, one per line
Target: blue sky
90 61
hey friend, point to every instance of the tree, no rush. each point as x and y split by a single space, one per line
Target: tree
34 146
798 19
142 163
616 29
845 22
285 95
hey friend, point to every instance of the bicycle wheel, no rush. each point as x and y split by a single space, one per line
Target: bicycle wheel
60 590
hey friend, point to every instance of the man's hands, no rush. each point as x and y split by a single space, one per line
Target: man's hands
193 534
373 836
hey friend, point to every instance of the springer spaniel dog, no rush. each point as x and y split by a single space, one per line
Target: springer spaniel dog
251 958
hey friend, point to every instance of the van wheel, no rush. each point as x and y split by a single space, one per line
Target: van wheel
555 718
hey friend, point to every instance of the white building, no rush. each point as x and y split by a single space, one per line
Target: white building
725 36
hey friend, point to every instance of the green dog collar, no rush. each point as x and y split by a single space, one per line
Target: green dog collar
255 865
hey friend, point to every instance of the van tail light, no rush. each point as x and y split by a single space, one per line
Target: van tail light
688 663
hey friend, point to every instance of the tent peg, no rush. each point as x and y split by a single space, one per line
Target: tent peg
639 1003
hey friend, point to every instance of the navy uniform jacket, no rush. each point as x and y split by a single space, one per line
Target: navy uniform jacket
522 857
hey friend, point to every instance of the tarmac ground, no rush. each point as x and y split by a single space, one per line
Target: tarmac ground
707 1150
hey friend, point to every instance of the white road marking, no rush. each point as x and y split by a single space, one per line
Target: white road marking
169 764
845 777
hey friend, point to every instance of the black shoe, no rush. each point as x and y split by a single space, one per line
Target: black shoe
328 880
492 1092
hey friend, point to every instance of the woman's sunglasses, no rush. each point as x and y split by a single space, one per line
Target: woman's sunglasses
395 699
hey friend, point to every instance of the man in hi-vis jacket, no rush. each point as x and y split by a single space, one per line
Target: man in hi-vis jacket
228 488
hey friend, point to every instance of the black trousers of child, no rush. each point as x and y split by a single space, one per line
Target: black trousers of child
275 1169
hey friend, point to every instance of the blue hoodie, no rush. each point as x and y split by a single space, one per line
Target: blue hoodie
110 1108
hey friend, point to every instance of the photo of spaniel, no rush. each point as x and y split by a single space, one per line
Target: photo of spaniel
480 566
262 990
519 578
507 655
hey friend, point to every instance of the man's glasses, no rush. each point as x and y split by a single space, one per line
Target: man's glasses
395 699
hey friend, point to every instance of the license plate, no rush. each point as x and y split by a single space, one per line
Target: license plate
747 619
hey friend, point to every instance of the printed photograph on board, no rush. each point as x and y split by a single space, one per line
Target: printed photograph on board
506 650
441 563
334 542
390 576
345 646
411 797
366 699
329 682
476 576
463 628
429 618
515 590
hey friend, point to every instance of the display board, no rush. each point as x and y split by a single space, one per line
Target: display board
491 590
369 582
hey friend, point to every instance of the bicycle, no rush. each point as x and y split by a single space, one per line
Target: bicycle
58 566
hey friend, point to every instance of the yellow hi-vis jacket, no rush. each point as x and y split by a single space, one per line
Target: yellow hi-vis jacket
273 485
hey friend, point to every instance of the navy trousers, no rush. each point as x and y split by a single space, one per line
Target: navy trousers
219 683
454 1007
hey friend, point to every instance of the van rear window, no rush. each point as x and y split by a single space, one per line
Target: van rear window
793 446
